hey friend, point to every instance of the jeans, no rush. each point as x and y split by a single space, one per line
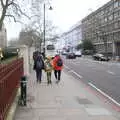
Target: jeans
38 75
49 77
57 74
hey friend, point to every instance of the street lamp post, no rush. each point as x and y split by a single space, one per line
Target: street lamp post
44 51
44 33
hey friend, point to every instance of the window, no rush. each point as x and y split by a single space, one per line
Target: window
105 19
50 47
109 28
105 11
116 4
110 37
116 35
116 14
111 8
102 13
110 17
116 25
119 3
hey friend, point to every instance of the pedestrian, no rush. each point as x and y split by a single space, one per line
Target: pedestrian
48 69
57 66
35 54
38 66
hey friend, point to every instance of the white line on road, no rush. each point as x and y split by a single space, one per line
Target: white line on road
114 101
66 67
110 72
76 73
73 71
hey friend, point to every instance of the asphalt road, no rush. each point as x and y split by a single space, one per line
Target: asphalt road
105 76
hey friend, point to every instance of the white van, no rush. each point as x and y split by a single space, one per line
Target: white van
78 53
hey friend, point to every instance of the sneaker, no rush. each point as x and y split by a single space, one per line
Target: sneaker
57 81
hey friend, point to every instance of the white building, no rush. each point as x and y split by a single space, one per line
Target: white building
72 37
3 37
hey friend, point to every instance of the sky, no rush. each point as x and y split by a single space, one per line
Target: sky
65 14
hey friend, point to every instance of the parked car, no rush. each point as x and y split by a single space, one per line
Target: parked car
70 55
63 52
78 53
100 57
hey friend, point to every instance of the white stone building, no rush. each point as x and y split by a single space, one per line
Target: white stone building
72 37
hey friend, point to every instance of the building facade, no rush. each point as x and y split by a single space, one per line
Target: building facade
72 37
3 37
102 27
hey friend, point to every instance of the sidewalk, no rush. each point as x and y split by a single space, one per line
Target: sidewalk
68 100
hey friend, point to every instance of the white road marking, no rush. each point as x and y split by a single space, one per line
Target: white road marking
110 72
66 66
76 74
73 71
114 101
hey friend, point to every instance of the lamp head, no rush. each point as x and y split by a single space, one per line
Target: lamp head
50 8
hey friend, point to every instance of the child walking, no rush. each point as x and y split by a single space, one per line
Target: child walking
48 69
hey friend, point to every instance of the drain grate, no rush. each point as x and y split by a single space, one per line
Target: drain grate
83 100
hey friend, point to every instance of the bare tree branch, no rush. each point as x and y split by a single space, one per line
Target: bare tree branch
11 2
6 3
2 3
12 17
17 7
12 9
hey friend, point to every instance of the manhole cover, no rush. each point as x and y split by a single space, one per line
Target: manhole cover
83 100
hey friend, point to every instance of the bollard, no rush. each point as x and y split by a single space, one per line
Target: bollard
23 96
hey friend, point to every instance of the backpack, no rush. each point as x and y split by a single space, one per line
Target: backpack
48 66
39 64
59 62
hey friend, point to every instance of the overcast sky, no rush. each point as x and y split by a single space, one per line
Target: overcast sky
65 13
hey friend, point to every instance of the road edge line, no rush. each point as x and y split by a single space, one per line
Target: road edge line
110 98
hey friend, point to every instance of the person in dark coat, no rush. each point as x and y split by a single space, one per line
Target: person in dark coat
35 54
38 66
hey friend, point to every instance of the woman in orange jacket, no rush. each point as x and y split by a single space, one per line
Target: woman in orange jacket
57 66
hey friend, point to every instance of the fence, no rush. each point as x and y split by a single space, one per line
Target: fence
10 76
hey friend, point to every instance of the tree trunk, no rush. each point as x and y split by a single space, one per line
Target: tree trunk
2 18
1 23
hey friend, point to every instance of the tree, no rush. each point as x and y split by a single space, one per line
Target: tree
87 45
27 36
11 9
79 46
37 18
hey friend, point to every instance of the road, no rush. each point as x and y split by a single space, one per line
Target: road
103 76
